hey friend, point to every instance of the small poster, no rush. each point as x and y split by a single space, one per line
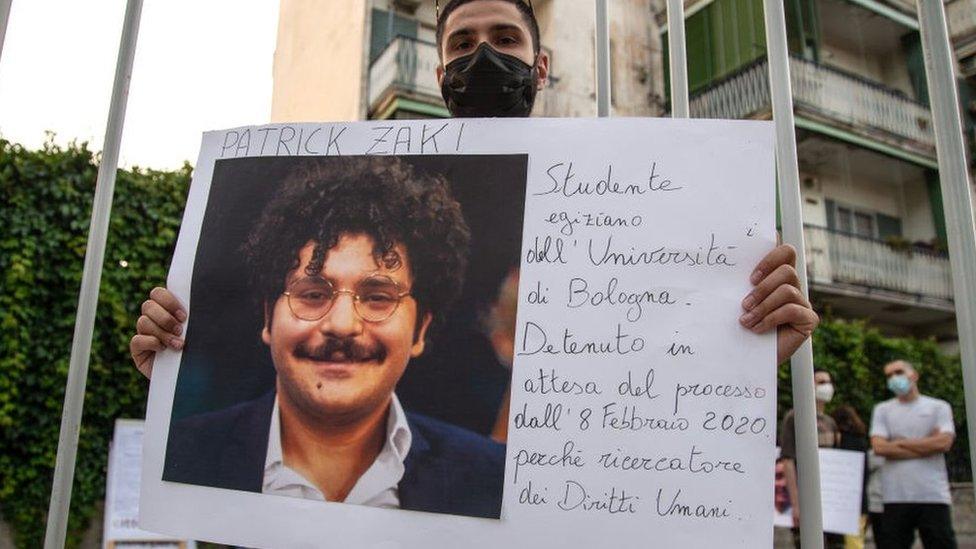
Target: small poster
121 528
841 489
506 332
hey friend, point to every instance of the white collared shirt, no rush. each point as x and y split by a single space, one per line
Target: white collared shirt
377 487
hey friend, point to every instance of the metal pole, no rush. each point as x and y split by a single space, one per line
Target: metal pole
804 405
602 59
956 192
74 396
678 59
4 17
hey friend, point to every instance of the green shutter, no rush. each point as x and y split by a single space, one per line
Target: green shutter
912 43
935 200
698 50
721 38
803 28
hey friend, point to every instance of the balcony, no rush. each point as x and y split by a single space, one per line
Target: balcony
845 263
405 72
826 94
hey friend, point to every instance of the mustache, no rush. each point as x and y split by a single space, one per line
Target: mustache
341 350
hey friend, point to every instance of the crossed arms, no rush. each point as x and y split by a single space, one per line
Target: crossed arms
913 448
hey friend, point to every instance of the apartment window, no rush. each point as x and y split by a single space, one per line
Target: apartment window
861 222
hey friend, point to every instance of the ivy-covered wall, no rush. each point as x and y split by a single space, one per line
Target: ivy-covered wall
45 205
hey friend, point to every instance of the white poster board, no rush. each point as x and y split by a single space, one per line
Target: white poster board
841 489
642 412
121 528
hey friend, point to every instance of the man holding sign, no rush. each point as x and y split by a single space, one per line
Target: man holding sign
491 66
508 28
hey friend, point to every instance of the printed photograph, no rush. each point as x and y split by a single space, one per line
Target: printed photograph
350 331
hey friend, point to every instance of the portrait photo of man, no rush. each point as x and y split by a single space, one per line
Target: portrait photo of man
338 272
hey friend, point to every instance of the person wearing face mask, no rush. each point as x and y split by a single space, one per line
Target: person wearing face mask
828 437
492 65
913 432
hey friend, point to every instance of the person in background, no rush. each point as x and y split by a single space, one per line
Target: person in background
854 436
828 437
913 432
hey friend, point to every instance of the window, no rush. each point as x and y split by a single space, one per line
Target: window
861 222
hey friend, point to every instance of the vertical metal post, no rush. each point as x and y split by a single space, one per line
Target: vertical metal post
4 17
678 59
956 192
74 396
804 405
602 59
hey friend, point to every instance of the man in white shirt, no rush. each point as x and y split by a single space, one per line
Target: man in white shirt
913 432
350 261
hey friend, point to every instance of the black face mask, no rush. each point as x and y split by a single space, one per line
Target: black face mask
487 83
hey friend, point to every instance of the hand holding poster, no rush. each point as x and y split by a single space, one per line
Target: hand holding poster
324 265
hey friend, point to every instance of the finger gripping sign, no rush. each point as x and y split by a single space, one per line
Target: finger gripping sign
369 303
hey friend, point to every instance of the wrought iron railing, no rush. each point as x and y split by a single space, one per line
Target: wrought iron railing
408 65
834 257
830 92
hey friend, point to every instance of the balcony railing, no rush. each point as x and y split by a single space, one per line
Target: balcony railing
864 106
839 258
961 16
406 65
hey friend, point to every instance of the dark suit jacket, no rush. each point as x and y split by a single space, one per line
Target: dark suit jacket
448 469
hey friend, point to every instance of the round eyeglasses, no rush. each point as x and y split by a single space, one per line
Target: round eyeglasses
375 298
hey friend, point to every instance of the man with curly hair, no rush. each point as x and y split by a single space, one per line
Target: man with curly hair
351 261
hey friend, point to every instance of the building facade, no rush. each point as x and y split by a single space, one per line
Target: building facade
872 205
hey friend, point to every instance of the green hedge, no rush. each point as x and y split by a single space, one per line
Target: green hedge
44 215
855 353
45 204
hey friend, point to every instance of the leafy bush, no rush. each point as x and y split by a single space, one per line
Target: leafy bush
855 353
45 206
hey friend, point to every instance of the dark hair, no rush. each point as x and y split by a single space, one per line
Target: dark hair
380 197
848 421
528 15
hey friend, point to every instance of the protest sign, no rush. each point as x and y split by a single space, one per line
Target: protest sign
317 261
121 528
841 489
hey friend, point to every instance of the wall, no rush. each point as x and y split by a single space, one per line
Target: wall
568 31
319 61
864 43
